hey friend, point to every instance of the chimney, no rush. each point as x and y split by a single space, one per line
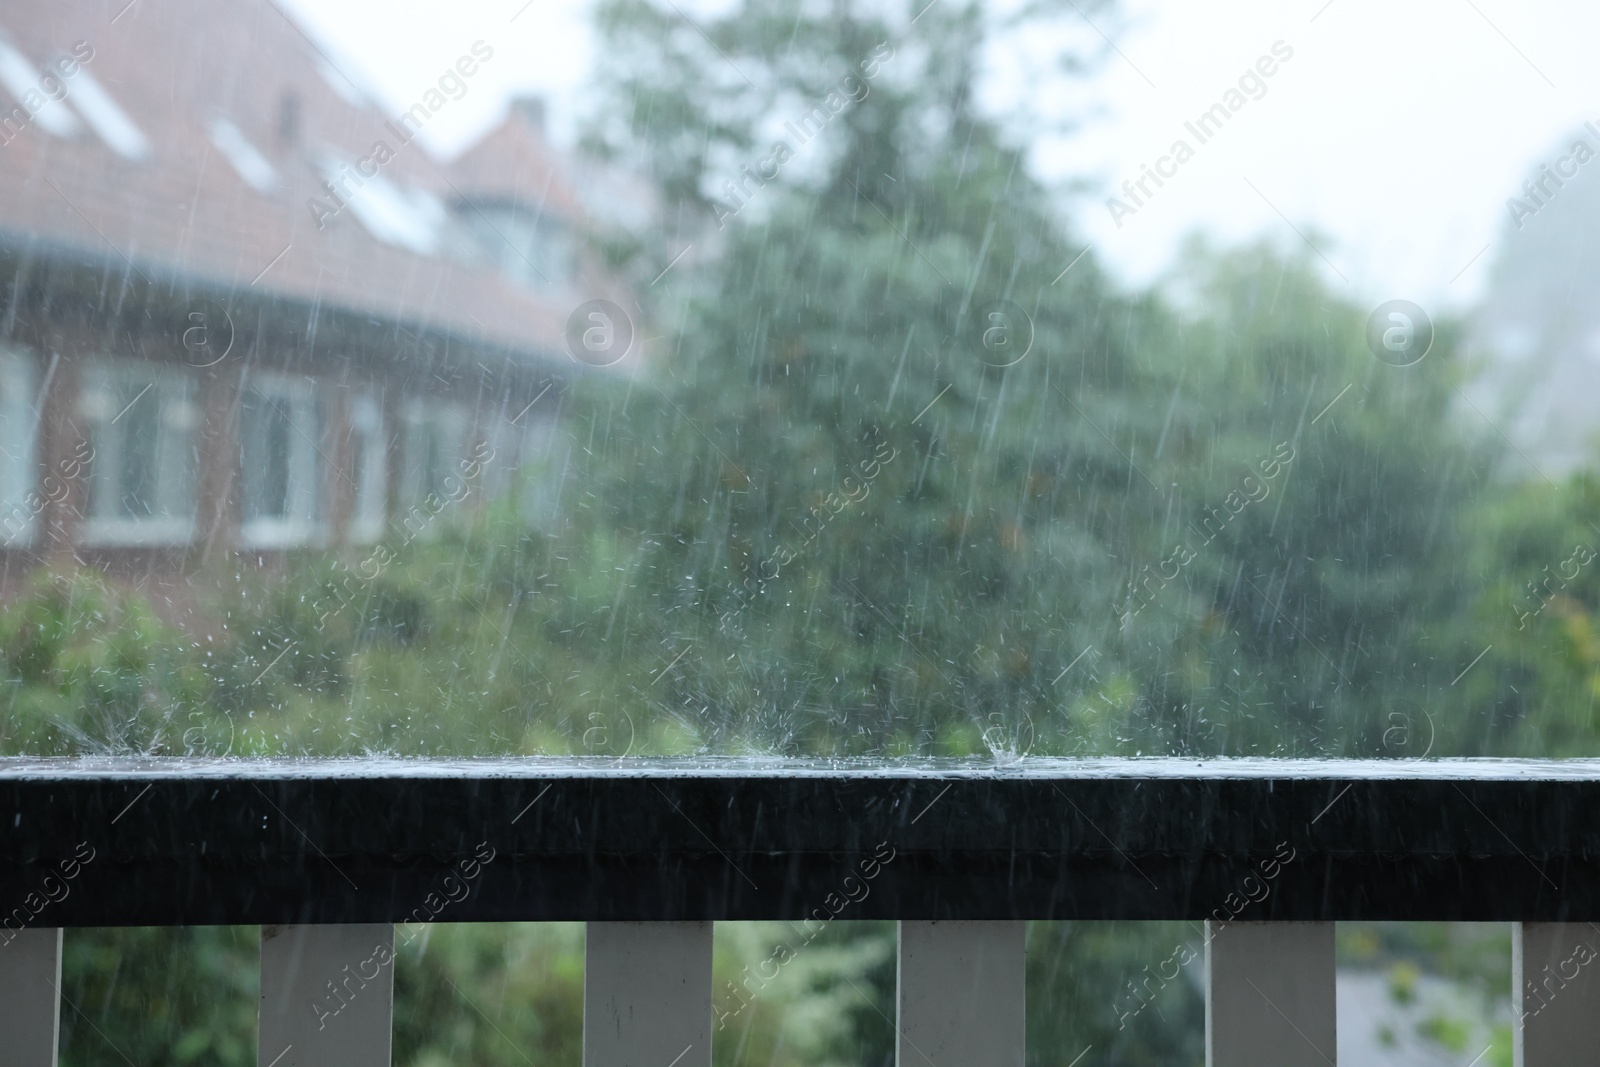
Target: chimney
289 117
531 110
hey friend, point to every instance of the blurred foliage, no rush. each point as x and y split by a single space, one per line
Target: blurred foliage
1107 989
501 995
174 995
825 1001
1474 957
85 666
1475 954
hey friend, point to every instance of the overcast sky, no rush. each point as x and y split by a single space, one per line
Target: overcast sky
1393 136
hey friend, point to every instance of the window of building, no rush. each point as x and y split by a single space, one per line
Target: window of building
247 160
19 430
396 213
106 116
369 468
435 451
141 422
528 246
282 463
40 95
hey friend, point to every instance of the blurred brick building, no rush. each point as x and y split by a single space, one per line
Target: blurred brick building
242 310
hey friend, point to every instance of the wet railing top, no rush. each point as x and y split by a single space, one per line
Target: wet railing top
169 841
1002 767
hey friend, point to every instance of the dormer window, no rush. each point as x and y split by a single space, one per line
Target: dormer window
102 112
39 98
247 161
528 246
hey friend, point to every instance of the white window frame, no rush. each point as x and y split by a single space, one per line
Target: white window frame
19 436
544 468
106 382
369 509
527 245
506 443
424 420
304 522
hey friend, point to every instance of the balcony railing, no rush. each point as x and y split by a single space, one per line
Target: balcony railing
331 857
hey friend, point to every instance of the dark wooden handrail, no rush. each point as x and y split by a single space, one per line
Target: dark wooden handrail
166 842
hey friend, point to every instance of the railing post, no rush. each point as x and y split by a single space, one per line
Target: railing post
647 995
1270 995
30 997
327 996
962 994
1556 989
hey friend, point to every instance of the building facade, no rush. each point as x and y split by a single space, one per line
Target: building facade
250 313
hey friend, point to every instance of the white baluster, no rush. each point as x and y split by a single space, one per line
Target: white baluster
327 996
30 997
962 994
1555 982
1270 995
647 995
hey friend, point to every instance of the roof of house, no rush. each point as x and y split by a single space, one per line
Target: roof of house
193 141
515 163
